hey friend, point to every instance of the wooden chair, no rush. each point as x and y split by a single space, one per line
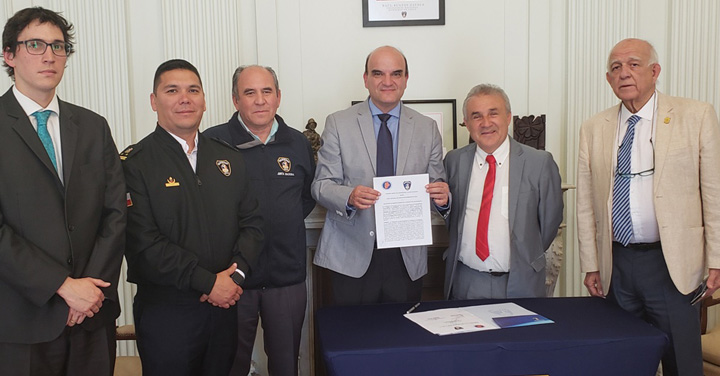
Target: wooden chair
710 339
127 365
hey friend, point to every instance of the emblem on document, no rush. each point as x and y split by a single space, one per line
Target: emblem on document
407 184
386 185
172 183
224 167
284 163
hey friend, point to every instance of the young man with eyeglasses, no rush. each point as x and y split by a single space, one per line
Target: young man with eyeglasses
62 213
648 207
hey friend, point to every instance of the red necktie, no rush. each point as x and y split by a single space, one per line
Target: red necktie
481 241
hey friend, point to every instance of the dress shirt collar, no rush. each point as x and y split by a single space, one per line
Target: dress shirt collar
395 112
646 112
271 136
30 106
500 154
185 145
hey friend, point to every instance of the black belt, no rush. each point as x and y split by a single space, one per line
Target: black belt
497 274
641 246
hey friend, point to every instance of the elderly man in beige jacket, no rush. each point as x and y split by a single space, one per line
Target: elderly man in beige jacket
648 203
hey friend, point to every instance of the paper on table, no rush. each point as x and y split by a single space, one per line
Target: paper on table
468 319
402 213
450 321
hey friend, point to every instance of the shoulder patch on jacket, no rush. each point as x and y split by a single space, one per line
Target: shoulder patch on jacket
129 151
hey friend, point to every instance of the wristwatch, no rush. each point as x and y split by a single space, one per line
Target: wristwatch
238 277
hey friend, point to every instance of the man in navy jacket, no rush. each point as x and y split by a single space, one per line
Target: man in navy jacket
280 166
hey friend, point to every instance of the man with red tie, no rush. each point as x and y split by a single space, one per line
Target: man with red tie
507 206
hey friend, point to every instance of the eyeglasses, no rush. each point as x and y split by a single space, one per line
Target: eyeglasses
647 172
38 47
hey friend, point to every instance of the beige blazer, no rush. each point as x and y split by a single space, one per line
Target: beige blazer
686 189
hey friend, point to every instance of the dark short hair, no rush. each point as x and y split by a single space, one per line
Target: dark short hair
171 65
20 20
241 68
367 59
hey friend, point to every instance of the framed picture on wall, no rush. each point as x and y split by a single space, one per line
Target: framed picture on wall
379 13
444 112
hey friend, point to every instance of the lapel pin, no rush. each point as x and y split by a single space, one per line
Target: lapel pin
172 183
667 120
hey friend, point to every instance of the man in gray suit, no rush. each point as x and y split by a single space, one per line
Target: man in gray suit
508 206
359 145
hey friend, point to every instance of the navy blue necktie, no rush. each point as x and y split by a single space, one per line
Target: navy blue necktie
621 219
385 162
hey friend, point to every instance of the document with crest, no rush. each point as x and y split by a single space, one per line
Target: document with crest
402 213
476 318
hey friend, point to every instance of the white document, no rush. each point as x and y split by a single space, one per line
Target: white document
450 321
402 213
467 319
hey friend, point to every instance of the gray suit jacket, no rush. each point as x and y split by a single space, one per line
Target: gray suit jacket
346 160
49 229
535 211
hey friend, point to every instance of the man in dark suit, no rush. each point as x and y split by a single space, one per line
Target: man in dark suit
347 163
508 206
194 233
62 216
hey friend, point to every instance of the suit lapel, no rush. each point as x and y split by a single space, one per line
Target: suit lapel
406 130
68 137
365 122
609 135
517 164
663 133
464 171
22 126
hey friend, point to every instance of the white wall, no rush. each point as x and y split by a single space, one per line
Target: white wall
549 55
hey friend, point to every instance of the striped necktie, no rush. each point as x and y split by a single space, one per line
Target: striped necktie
621 220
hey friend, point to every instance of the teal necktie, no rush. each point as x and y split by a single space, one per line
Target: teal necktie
42 118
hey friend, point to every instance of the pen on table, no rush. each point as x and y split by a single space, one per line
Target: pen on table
413 308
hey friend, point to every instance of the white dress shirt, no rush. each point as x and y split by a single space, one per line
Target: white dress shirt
190 154
499 225
642 207
53 123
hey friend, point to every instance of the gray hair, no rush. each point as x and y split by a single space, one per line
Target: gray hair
653 53
486 89
241 68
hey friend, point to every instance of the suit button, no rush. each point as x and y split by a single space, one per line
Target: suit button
69 260
71 228
372 233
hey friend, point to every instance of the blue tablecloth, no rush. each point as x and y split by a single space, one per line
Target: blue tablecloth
589 337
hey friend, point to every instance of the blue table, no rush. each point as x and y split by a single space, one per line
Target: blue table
589 337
